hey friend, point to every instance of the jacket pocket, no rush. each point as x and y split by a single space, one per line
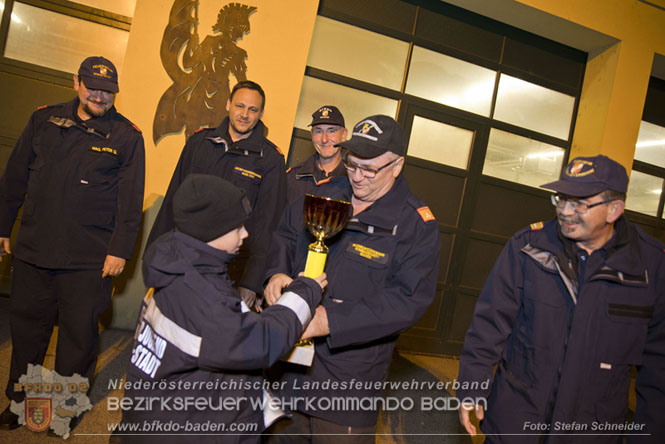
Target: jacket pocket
630 313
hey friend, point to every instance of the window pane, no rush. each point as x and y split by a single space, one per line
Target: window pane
443 79
644 193
650 147
522 160
358 53
61 42
122 7
534 107
354 104
440 142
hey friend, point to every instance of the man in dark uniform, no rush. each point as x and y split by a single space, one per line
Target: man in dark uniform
238 152
570 306
78 170
382 274
327 131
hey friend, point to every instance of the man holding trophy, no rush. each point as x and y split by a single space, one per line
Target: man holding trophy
382 272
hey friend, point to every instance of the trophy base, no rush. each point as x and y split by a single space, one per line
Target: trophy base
302 355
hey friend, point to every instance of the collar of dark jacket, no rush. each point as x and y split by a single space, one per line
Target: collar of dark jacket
385 212
177 253
310 168
622 250
252 143
102 124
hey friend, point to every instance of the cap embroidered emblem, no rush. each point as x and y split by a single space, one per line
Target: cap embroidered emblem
363 129
577 169
324 112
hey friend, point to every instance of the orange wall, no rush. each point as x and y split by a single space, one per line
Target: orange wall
277 48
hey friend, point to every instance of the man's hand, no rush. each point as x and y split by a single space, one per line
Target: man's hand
464 416
4 247
318 326
274 288
113 266
250 299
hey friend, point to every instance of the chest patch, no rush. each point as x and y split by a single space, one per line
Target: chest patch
104 149
368 253
246 173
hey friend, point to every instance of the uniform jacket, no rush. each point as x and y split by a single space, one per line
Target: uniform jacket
564 342
81 187
253 164
382 274
307 176
193 330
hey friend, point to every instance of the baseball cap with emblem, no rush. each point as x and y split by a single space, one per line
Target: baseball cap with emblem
327 115
588 176
374 136
99 73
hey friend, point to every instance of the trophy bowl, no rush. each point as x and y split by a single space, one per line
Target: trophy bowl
324 217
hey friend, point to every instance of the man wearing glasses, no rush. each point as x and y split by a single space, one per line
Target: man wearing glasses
382 272
327 132
570 306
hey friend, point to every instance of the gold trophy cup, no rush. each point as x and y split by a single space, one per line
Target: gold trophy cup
325 217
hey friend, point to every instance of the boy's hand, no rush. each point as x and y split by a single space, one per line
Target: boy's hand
274 288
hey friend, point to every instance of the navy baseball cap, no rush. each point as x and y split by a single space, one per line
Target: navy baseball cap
99 73
374 136
588 176
327 115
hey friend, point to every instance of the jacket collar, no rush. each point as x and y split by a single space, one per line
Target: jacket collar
254 143
310 168
385 212
102 124
623 250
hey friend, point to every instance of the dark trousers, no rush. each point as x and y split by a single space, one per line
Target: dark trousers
304 429
39 297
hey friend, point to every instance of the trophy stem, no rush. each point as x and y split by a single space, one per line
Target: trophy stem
316 257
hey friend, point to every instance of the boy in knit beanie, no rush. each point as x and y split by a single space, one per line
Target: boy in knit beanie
198 350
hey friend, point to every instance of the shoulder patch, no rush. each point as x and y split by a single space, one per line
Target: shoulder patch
42 107
278 150
137 128
426 214
537 226
287 171
200 129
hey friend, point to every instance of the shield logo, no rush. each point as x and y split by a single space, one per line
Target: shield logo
576 168
38 414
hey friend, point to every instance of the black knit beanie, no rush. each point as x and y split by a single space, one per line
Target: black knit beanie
207 207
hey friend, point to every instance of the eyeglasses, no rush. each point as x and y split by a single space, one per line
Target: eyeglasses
578 206
366 172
